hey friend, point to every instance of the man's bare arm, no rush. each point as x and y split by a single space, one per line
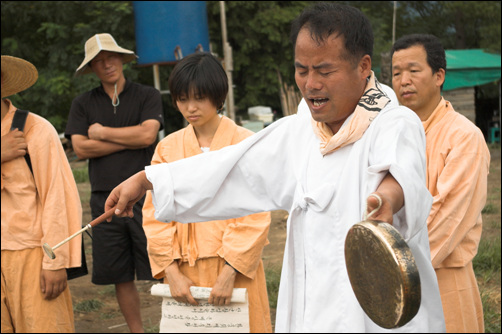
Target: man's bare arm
392 197
131 137
86 148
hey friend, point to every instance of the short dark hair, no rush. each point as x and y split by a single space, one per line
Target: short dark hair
199 75
325 19
436 56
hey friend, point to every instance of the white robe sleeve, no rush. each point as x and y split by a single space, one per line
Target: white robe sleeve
238 180
397 140
399 147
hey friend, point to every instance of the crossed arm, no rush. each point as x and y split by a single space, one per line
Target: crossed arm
103 140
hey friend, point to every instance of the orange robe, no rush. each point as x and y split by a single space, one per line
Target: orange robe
458 163
37 208
201 249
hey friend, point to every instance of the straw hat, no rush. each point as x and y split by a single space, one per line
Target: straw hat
17 75
98 43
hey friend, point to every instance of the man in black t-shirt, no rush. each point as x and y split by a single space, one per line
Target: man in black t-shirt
115 126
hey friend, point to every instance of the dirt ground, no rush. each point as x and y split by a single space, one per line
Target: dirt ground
97 311
96 308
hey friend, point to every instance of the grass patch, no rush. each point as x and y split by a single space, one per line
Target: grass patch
108 290
489 209
81 175
491 310
89 305
109 315
488 257
273 276
150 328
494 146
487 261
487 264
494 194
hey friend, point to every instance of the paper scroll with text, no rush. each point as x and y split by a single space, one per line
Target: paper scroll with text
204 318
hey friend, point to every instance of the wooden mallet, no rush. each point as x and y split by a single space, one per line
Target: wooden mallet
50 250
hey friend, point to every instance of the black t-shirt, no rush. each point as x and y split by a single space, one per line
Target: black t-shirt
138 103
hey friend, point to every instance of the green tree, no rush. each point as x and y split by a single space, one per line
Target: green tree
51 34
459 24
258 32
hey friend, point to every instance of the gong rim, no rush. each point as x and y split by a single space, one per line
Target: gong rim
383 273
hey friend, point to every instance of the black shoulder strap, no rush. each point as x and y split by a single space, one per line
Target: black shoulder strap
18 122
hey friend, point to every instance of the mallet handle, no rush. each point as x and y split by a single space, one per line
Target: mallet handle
103 217
92 224
71 237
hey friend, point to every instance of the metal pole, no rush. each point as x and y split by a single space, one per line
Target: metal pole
394 23
227 54
156 83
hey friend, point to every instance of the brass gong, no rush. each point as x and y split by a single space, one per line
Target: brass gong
383 273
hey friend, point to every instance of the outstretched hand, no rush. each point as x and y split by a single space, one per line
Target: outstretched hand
126 194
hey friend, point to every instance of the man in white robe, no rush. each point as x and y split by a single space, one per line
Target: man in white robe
321 167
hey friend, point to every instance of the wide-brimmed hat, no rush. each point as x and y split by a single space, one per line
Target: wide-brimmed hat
17 75
98 43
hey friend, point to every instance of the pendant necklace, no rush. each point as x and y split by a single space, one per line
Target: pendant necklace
115 96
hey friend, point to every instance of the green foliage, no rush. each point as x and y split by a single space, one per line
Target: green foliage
459 24
52 34
258 32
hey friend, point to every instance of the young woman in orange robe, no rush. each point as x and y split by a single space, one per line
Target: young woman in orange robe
223 254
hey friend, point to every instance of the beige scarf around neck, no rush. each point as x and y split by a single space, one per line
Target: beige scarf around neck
373 100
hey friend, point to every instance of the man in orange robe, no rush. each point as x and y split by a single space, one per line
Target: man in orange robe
38 206
458 163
